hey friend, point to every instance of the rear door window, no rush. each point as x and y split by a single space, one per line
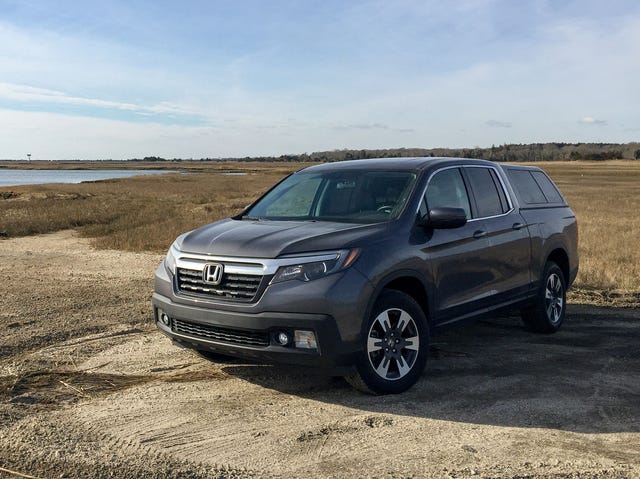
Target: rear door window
547 186
489 201
526 186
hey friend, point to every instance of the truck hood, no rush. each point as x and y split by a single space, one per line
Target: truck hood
270 239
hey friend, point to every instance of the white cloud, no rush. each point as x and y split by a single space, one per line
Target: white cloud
498 124
589 120
56 136
68 68
30 94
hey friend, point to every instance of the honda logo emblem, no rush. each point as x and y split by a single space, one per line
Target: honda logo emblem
212 273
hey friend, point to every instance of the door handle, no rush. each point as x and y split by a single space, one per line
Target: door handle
479 234
518 226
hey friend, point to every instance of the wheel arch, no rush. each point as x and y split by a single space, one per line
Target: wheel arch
560 257
408 282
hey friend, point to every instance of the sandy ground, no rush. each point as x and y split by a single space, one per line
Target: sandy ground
88 388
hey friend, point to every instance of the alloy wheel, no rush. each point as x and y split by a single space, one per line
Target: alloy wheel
554 298
393 343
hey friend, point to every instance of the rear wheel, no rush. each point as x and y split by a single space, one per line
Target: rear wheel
547 314
395 346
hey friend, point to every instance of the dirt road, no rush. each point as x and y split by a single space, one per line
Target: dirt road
89 389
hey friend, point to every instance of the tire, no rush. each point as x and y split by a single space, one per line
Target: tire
395 346
547 314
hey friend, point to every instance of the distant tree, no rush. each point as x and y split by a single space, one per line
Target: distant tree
505 152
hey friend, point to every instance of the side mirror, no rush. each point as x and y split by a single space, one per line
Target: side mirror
442 217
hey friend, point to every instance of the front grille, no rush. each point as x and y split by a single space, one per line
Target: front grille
242 287
215 333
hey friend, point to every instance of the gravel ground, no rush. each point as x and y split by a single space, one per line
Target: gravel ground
88 388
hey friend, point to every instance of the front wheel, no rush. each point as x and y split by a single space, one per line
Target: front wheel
395 346
548 312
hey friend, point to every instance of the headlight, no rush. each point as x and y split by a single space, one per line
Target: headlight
310 270
170 260
172 254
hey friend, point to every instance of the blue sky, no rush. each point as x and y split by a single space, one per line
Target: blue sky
124 79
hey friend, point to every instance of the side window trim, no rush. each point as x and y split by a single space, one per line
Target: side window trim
472 196
472 199
501 192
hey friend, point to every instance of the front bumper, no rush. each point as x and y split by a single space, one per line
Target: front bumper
331 352
332 307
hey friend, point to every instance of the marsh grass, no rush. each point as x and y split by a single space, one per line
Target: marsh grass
143 213
606 199
147 213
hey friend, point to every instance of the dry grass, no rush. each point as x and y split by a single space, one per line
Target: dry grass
147 213
143 213
606 199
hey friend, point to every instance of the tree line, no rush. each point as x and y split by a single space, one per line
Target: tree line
508 152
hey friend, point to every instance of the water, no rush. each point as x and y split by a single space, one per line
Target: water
38 177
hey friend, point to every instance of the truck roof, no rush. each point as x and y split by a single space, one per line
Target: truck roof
403 163
521 167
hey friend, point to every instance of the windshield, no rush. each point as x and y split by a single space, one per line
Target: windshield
347 196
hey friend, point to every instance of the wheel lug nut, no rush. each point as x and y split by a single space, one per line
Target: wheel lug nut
394 351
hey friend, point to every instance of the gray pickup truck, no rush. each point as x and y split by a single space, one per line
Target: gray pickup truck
353 266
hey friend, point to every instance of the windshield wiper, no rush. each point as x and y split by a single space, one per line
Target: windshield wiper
252 218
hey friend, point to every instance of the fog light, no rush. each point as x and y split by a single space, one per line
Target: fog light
164 317
283 338
305 339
